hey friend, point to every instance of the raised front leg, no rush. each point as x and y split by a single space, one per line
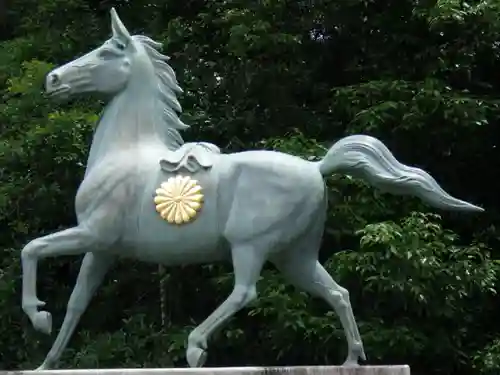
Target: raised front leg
247 264
71 241
92 272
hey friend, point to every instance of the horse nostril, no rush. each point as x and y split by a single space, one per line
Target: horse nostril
54 80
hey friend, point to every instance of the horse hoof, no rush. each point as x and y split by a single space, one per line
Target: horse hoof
350 363
43 322
196 357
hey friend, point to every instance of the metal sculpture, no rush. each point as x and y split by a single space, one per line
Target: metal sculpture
148 195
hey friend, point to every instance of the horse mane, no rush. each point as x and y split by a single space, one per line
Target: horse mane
168 88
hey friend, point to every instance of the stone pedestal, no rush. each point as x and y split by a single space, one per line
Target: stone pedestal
303 370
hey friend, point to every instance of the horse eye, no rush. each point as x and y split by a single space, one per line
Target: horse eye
120 45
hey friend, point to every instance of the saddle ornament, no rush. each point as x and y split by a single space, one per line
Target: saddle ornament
179 199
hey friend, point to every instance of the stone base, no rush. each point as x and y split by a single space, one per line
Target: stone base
302 370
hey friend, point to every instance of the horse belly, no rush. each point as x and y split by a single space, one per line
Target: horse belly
161 242
156 240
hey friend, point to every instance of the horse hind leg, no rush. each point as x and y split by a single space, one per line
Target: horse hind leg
338 297
247 265
302 269
92 271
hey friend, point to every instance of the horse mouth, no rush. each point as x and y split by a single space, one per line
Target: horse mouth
59 92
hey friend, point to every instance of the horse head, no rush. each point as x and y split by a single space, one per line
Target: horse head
108 69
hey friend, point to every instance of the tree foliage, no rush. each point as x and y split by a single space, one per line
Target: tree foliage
292 76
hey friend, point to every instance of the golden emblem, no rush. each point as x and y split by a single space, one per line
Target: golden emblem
179 199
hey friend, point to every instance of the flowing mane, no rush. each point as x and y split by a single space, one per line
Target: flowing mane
168 88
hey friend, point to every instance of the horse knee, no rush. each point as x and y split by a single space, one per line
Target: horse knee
340 298
243 294
345 294
31 249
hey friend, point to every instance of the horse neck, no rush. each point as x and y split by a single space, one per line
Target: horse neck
133 117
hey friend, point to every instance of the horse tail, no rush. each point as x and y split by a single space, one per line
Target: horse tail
368 158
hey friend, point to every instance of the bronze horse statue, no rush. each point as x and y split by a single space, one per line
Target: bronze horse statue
148 195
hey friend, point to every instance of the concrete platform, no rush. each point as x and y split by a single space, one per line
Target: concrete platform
306 370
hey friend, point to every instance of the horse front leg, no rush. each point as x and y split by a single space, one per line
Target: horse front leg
247 265
94 268
71 241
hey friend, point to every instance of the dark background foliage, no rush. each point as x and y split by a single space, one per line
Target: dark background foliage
423 76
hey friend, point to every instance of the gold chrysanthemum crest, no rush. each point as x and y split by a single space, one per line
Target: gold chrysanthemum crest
179 199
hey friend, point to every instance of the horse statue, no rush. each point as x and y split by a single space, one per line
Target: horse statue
149 196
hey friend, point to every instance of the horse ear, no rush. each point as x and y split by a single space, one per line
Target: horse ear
117 26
